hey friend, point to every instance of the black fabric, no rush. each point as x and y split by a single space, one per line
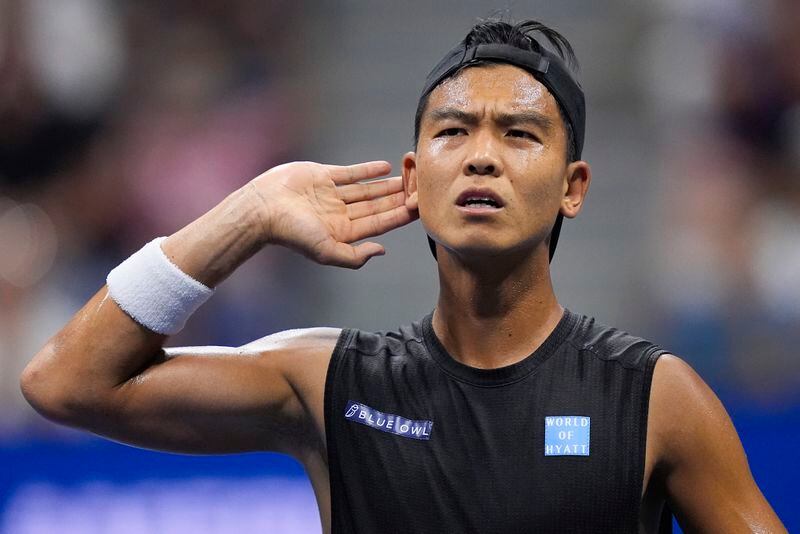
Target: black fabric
484 470
665 526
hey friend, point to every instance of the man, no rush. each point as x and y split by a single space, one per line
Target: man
499 412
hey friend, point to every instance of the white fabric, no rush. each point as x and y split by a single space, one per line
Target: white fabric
154 291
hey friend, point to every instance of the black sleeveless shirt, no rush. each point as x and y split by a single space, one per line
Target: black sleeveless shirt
419 442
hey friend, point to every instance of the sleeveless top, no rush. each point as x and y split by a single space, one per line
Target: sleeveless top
419 442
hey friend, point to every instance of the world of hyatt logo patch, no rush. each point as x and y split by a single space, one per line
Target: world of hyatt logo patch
387 422
566 435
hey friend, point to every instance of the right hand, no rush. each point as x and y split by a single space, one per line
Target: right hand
321 210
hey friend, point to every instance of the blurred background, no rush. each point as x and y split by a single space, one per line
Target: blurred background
121 121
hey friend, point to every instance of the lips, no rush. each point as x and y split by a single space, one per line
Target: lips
479 198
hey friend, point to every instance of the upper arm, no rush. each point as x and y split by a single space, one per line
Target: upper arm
266 395
706 475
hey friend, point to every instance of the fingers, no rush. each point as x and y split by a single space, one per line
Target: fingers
350 256
381 223
348 174
357 210
370 190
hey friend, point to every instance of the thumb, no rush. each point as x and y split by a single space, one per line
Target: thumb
346 255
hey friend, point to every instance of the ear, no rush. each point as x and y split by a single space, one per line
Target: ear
577 178
410 180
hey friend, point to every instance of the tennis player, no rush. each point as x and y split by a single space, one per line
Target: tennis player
498 412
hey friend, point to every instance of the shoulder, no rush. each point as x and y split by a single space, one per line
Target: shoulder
302 339
680 396
686 417
702 463
613 344
295 353
293 347
673 375
388 343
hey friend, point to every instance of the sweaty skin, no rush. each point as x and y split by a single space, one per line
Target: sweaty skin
492 127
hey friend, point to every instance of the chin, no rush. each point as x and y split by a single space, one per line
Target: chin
486 241
486 246
479 248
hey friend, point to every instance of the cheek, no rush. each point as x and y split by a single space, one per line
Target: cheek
431 193
530 157
539 190
545 199
432 176
430 199
435 147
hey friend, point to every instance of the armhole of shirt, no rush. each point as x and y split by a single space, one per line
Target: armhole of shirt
342 344
654 353
334 482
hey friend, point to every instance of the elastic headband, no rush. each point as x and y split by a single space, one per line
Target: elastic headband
543 65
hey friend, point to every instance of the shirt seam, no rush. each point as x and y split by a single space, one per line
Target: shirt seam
593 350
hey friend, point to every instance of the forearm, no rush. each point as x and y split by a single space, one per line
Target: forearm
80 369
213 246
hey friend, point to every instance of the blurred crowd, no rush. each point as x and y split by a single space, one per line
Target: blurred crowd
122 121
724 77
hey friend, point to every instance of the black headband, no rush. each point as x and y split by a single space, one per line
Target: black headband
543 65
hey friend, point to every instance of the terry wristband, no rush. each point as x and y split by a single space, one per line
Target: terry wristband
154 292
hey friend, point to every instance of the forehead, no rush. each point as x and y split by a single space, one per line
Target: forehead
497 85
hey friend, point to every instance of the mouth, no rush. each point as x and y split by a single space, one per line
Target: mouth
481 200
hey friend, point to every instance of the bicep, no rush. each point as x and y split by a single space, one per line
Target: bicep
707 478
221 399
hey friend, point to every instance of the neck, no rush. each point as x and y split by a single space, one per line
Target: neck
494 312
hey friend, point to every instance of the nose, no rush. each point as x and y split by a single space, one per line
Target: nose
483 161
481 167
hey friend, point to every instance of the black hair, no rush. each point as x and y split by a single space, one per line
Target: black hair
494 31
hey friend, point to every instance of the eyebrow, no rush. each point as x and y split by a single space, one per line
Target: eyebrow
525 117
443 114
503 119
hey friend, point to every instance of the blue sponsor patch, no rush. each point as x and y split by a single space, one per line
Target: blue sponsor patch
566 435
387 422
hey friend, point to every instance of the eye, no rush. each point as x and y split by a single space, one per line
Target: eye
522 134
451 132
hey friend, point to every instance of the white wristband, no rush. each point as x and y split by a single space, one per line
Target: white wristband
154 291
